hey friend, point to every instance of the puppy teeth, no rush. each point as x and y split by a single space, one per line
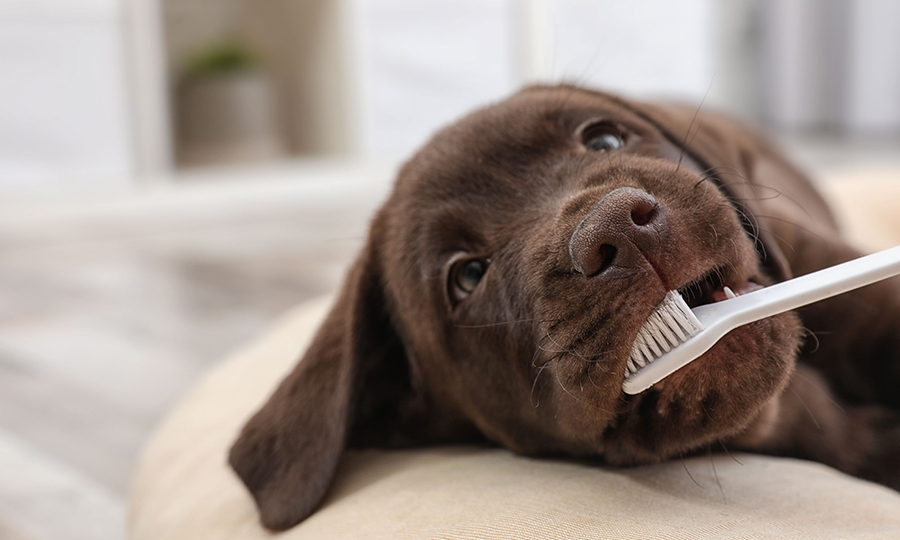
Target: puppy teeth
729 293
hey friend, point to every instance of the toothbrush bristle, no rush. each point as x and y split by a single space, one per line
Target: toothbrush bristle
671 324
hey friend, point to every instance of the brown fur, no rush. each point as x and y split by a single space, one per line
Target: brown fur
581 245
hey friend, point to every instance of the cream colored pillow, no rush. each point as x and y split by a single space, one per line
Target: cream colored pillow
184 490
866 203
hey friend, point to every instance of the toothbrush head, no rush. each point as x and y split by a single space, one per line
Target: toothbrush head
671 324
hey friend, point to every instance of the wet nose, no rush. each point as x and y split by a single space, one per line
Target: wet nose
624 228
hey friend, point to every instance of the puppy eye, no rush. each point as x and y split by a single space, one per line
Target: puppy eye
602 138
466 275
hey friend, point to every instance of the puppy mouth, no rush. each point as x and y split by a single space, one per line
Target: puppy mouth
703 290
709 288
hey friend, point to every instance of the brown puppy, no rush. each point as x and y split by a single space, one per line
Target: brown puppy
505 278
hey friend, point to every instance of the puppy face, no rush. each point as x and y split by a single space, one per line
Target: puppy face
503 285
529 243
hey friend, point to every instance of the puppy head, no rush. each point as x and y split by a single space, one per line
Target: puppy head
502 287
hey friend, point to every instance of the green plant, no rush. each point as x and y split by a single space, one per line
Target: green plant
221 58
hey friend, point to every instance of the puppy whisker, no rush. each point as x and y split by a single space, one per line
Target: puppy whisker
799 374
712 462
554 354
779 237
685 143
807 333
723 170
793 224
560 347
725 448
691 476
805 406
705 181
715 234
602 354
489 325
536 402
748 218
777 194
775 235
552 351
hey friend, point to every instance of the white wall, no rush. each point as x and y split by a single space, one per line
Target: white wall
831 64
657 48
426 63
873 92
63 100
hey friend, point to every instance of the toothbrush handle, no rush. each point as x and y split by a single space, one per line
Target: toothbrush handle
805 289
719 318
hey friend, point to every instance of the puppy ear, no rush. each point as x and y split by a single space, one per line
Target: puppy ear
288 452
726 150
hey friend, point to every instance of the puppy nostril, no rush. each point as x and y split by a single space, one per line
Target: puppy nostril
623 229
643 214
606 254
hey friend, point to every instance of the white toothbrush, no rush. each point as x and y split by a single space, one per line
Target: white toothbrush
674 335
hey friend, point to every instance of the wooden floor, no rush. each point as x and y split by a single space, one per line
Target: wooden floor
111 308
110 311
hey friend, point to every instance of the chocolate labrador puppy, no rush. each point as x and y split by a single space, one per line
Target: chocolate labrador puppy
505 279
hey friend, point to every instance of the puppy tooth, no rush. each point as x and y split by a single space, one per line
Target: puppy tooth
729 293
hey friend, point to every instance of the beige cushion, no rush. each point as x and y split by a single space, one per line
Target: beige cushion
183 489
868 205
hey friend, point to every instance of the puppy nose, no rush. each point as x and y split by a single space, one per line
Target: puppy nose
627 225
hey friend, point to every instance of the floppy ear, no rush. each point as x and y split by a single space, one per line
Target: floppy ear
289 450
735 156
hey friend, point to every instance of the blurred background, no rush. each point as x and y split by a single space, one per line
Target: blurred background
174 174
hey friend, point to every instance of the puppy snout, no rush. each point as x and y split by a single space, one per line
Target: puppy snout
624 228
